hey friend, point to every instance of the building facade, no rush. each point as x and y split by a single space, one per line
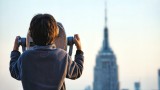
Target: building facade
106 69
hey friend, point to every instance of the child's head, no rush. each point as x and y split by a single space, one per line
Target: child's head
43 29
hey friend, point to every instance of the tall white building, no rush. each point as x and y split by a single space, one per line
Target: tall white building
106 69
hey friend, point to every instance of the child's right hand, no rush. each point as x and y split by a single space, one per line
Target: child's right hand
77 42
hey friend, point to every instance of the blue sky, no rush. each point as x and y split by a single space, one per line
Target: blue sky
134 35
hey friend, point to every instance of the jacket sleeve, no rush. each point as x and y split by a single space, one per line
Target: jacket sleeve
75 67
15 65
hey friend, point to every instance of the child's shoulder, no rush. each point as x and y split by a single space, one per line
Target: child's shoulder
56 51
60 51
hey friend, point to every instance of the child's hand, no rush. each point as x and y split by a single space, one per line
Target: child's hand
77 42
16 46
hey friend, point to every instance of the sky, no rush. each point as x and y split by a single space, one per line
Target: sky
134 36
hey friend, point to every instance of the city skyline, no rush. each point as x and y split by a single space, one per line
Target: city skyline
134 36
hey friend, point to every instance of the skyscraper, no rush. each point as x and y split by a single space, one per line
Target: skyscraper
137 85
159 79
106 69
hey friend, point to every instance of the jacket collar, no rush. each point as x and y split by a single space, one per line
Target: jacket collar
53 46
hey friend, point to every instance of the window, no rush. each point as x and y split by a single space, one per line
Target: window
105 64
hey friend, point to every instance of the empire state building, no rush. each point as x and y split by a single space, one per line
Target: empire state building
106 69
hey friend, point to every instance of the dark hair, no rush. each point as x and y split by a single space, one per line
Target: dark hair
43 29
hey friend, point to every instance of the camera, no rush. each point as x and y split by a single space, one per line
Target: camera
61 41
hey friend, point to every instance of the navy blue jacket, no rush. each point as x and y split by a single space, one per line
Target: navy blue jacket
45 67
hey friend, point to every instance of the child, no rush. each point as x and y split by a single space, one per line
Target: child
45 67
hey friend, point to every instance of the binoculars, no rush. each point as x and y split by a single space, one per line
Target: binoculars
61 41
22 42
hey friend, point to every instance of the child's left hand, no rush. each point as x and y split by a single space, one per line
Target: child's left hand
16 46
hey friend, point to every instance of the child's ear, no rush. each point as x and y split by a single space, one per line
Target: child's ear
57 33
28 40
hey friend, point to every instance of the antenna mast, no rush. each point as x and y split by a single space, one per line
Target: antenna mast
105 11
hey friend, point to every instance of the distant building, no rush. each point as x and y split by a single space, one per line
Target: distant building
125 89
137 85
159 79
106 69
88 88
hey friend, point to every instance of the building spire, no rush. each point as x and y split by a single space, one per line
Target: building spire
105 13
106 40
